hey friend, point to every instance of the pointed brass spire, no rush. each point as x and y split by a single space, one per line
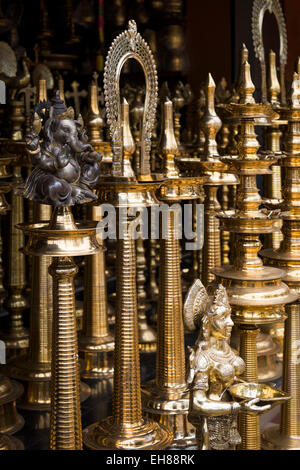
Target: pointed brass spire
246 86
42 91
167 147
210 123
274 86
94 120
244 54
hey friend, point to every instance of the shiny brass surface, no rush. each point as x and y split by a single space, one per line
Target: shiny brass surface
257 294
216 174
147 335
287 257
34 369
65 419
269 368
166 399
16 337
126 428
96 344
10 420
272 182
215 369
10 391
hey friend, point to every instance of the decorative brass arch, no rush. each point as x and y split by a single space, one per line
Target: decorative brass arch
127 45
258 11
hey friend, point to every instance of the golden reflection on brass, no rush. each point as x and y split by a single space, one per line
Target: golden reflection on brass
65 420
10 391
166 399
16 337
96 344
217 175
272 182
34 369
256 293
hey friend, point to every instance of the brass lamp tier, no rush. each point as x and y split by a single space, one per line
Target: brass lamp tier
287 257
256 293
166 399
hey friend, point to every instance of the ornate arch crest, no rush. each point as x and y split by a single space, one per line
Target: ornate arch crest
127 45
258 11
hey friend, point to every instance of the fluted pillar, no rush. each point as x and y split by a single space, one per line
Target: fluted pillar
65 422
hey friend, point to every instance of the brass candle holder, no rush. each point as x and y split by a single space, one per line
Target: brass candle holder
256 293
33 369
216 175
272 182
287 257
96 344
60 180
126 428
10 420
16 336
166 399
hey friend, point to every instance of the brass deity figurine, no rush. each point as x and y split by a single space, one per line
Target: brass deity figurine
215 370
65 165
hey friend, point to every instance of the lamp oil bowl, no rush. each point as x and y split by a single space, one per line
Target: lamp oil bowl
266 394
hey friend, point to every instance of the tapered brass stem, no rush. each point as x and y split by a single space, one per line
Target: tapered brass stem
290 414
127 369
126 429
96 344
212 245
170 360
16 337
65 421
34 369
147 336
272 182
152 287
166 399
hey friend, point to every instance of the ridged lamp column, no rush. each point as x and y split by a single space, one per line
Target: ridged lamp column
166 399
287 257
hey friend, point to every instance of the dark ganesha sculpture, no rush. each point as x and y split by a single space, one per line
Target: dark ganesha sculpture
66 167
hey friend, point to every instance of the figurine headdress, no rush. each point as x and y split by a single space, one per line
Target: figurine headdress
199 307
55 109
